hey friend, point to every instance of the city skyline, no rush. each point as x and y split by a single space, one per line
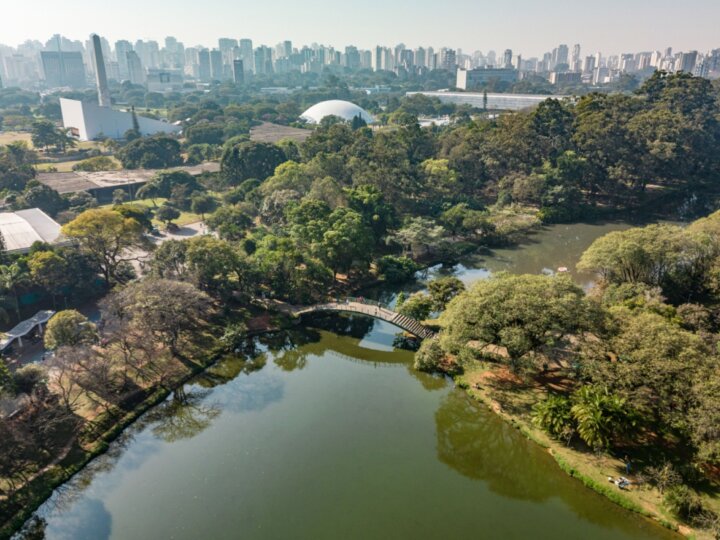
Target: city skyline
525 27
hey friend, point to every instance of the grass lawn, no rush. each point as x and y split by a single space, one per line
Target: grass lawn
7 137
184 219
66 166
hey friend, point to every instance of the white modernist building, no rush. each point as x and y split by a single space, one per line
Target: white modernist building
335 107
88 121
23 228
495 102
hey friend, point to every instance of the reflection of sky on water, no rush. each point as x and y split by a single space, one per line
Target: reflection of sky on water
249 393
89 520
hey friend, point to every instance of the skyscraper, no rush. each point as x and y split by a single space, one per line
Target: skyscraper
688 61
100 73
63 68
576 61
216 65
246 54
561 57
507 59
238 71
449 60
204 69
136 72
123 47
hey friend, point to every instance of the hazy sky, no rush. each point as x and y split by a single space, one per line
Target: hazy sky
529 27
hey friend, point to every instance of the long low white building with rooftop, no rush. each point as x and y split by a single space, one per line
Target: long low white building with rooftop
495 102
21 229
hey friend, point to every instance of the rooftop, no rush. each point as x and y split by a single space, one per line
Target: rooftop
23 228
70 182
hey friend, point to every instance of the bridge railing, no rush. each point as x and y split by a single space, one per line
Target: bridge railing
362 300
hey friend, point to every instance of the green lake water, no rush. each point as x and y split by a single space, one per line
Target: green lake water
330 434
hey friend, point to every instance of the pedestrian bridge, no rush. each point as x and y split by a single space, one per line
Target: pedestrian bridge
363 307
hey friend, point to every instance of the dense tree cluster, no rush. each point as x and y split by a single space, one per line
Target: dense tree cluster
639 351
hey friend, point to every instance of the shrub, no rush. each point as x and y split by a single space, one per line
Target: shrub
99 163
429 356
396 269
684 503
554 415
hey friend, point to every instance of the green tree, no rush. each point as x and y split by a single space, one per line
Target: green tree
230 222
69 328
157 152
250 160
12 278
525 314
444 289
50 271
601 417
167 213
163 183
139 213
346 243
204 134
43 134
429 356
202 203
107 238
396 269
38 195
657 368
418 306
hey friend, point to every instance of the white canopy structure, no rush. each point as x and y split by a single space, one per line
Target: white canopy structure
335 107
25 327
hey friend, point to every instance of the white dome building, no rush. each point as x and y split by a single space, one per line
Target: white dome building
335 107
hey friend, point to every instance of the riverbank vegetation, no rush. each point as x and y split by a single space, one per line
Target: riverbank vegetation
154 334
622 380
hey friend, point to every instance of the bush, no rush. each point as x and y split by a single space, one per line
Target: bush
554 415
93 164
429 356
28 378
684 503
396 269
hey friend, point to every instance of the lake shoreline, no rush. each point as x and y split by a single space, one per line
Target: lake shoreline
567 459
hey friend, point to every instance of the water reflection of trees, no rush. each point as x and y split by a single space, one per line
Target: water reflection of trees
480 446
182 417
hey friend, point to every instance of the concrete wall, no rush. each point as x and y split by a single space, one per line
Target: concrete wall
88 121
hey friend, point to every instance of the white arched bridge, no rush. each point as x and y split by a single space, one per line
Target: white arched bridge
363 307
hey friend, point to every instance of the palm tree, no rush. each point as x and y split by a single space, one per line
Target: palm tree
601 416
11 278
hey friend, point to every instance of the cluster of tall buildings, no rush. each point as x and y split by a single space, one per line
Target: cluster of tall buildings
566 66
61 62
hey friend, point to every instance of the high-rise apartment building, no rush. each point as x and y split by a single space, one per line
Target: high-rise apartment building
247 55
238 71
216 65
507 59
122 47
136 73
448 60
204 69
688 61
63 68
